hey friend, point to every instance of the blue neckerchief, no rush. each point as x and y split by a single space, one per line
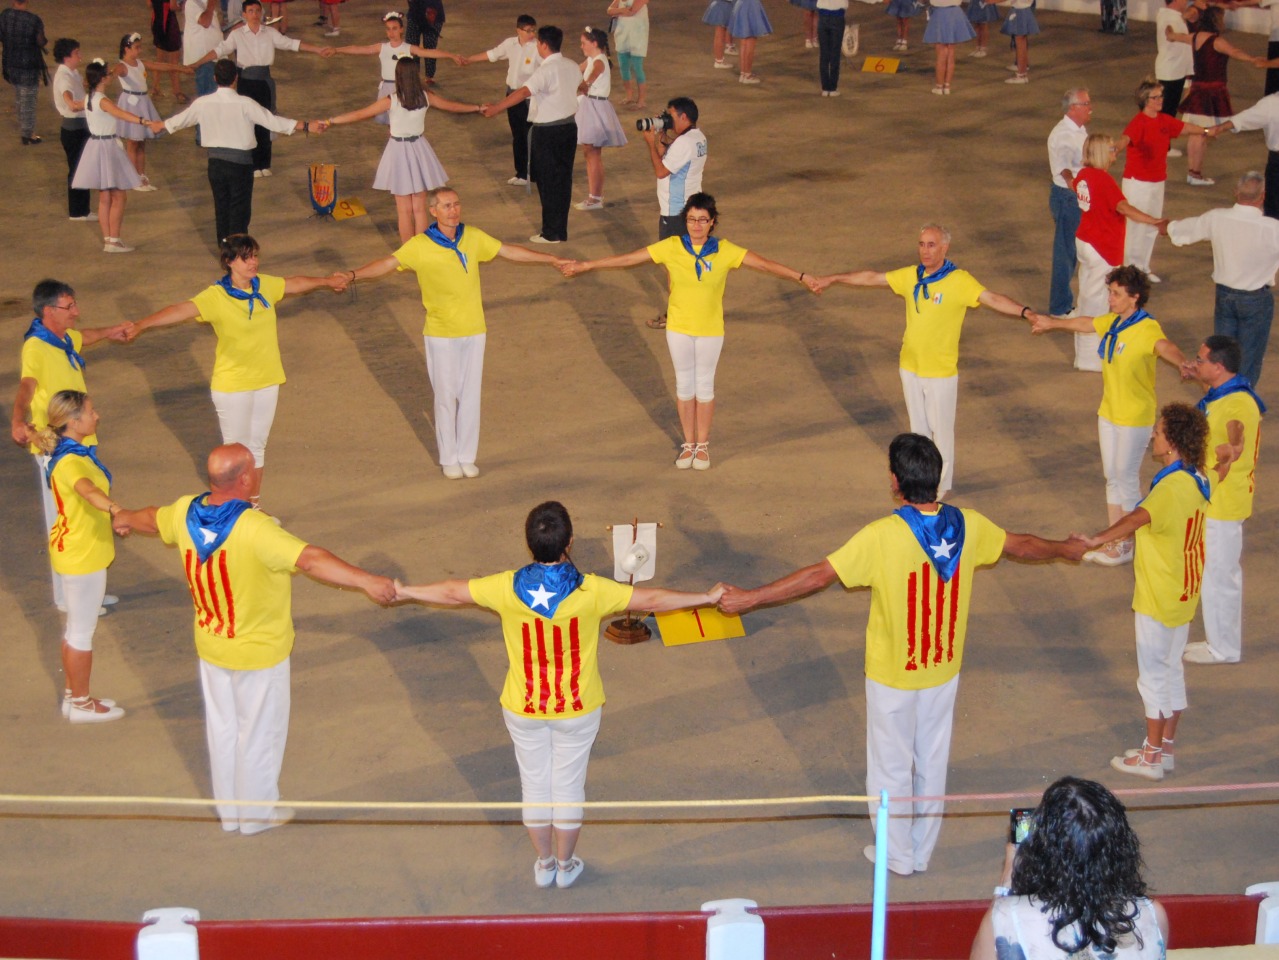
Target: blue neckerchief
67 446
434 232
210 526
1235 384
940 536
709 249
1200 480
235 293
921 281
1106 349
545 586
41 332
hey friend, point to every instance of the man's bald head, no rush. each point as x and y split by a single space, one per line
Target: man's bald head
227 464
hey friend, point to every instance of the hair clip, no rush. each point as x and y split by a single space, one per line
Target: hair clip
134 38
98 61
393 15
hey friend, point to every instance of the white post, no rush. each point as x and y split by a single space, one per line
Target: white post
169 935
732 933
1267 912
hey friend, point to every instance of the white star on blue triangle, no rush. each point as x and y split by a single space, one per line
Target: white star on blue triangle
943 550
540 597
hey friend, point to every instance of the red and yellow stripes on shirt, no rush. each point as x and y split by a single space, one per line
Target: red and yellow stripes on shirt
539 662
210 586
932 613
1193 556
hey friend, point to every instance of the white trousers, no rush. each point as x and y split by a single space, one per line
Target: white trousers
930 404
83 593
552 756
1222 595
1139 238
455 366
1161 676
695 360
50 518
907 752
246 720
245 416
1092 302
1122 451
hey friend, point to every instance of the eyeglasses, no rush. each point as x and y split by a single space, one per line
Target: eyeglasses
63 306
1082 103
697 220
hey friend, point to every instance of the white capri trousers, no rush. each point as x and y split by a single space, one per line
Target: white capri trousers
455 366
246 417
695 360
1161 676
1122 451
907 752
1221 597
1092 302
552 756
930 404
1139 238
83 593
246 720
50 518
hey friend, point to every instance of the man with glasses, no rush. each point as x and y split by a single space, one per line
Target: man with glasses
51 362
522 58
1065 159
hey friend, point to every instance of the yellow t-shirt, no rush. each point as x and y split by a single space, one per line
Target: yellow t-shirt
1169 561
80 541
1128 382
915 634
696 307
450 293
1232 497
248 352
243 594
930 347
49 367
554 669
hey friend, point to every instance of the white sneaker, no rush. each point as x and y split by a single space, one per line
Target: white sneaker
146 186
279 817
116 245
87 218
89 710
721 65
809 45
978 53
257 174
538 238
469 470
1202 653
1011 68
590 203
66 703
1153 279
110 599
730 48
1111 555
833 93
869 853
1195 181
335 32
1019 78
452 471
518 182
748 78
566 875
266 172
544 874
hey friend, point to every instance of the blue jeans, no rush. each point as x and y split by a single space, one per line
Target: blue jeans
1246 315
1064 206
204 82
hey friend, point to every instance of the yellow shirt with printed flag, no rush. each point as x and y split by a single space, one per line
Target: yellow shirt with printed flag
930 347
450 292
1169 560
696 306
80 541
243 593
248 351
49 367
554 663
915 634
1232 497
1128 381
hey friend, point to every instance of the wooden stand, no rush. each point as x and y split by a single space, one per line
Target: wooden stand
628 630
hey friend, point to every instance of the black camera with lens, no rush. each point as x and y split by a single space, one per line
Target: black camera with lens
661 123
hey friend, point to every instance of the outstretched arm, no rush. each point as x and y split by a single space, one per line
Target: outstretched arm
319 564
125 522
364 113
660 601
296 286
510 100
451 106
854 278
632 259
801 583
119 333
362 50
1169 352
446 593
175 313
370 271
756 262
1005 305
517 254
1027 546
1044 324
1121 529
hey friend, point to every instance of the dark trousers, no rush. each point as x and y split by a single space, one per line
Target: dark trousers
1272 74
263 92
830 37
1064 206
1271 205
551 163
73 142
1246 315
232 185
517 117
422 34
1173 90
672 226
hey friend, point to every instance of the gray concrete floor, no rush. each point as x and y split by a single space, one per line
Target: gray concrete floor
401 704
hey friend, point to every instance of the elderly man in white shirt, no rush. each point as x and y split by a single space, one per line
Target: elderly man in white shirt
1245 256
228 124
1264 116
253 46
553 90
68 99
522 58
1065 159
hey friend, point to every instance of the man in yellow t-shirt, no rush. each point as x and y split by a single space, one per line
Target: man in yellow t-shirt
919 563
51 362
938 296
1234 440
239 567
446 258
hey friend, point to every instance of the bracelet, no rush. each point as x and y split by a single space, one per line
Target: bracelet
1023 312
353 276
1002 891
802 276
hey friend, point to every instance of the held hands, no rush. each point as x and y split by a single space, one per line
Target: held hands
122 332
380 589
570 268
24 434
813 283
487 111
1041 323
155 126
1075 549
715 593
1086 542
734 600
327 52
339 280
460 60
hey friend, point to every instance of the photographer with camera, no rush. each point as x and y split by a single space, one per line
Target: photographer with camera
678 151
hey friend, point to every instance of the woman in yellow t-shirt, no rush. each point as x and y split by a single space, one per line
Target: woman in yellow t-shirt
697 264
247 371
1131 341
80 543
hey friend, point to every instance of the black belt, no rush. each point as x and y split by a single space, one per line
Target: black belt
408 139
105 136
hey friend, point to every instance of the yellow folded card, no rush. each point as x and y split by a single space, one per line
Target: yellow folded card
346 209
880 65
694 626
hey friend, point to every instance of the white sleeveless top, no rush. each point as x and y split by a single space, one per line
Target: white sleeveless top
388 54
1022 932
407 123
101 123
134 79
603 84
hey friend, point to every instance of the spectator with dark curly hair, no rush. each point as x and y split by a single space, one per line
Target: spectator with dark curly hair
1074 886
1168 524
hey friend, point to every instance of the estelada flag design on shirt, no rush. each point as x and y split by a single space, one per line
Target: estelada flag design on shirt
206 565
552 666
932 591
